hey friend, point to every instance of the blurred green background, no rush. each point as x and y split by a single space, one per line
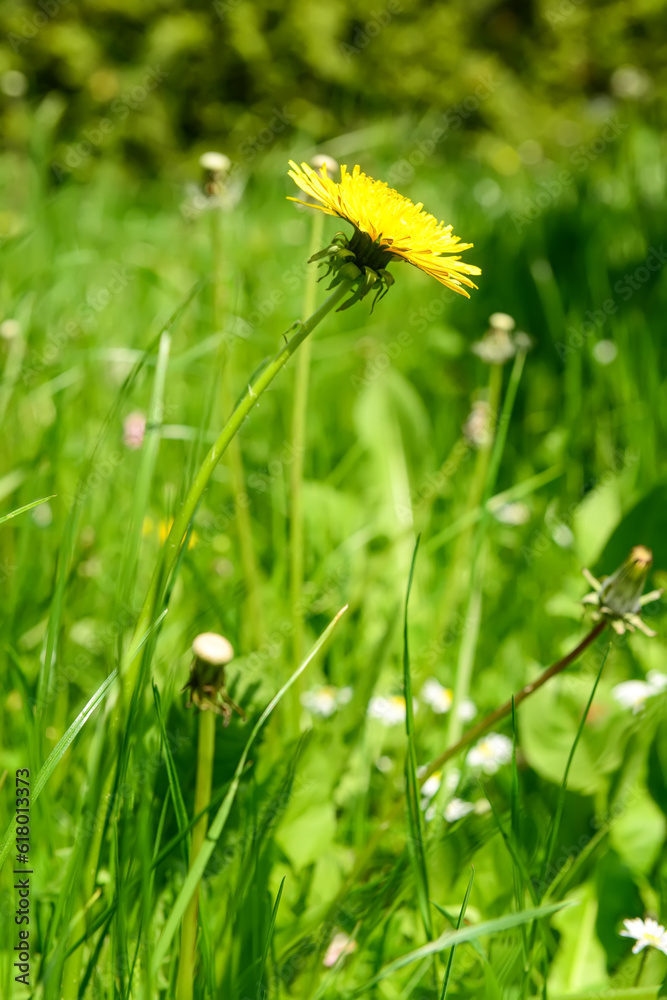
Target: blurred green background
174 80
538 132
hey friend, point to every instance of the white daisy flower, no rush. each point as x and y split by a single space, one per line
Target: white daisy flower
633 694
429 789
324 701
490 753
457 809
482 806
467 710
657 680
452 779
431 785
390 711
438 697
646 933
514 513
341 944
384 764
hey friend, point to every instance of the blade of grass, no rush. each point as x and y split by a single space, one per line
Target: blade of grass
66 741
415 818
563 787
269 936
199 864
454 938
144 478
28 506
464 907
172 777
55 615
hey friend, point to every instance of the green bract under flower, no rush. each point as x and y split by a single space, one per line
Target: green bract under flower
619 597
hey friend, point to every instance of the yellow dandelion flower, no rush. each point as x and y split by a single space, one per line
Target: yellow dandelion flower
387 227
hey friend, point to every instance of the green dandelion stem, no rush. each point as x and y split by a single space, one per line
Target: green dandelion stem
203 786
482 727
183 518
505 709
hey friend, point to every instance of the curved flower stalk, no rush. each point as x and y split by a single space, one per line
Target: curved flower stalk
387 228
185 514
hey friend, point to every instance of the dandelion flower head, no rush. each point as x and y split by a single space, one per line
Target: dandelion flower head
387 225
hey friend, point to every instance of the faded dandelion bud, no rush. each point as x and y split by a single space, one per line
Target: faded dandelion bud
10 329
213 648
477 428
619 597
322 160
501 321
207 685
216 166
499 343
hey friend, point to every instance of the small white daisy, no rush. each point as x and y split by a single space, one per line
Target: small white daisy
438 697
340 945
390 711
467 710
452 779
514 513
429 789
657 680
646 933
491 753
457 809
431 785
633 694
324 701
384 764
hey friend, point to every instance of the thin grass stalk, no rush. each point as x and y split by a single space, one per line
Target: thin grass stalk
472 622
462 913
462 570
415 817
299 414
218 823
482 727
563 788
255 616
203 787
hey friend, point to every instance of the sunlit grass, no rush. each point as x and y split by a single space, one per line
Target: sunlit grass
95 277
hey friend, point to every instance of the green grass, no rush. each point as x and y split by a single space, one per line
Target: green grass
310 836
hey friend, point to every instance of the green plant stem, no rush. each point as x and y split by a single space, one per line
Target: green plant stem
462 570
505 709
486 484
486 723
235 458
203 786
163 571
299 414
184 516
